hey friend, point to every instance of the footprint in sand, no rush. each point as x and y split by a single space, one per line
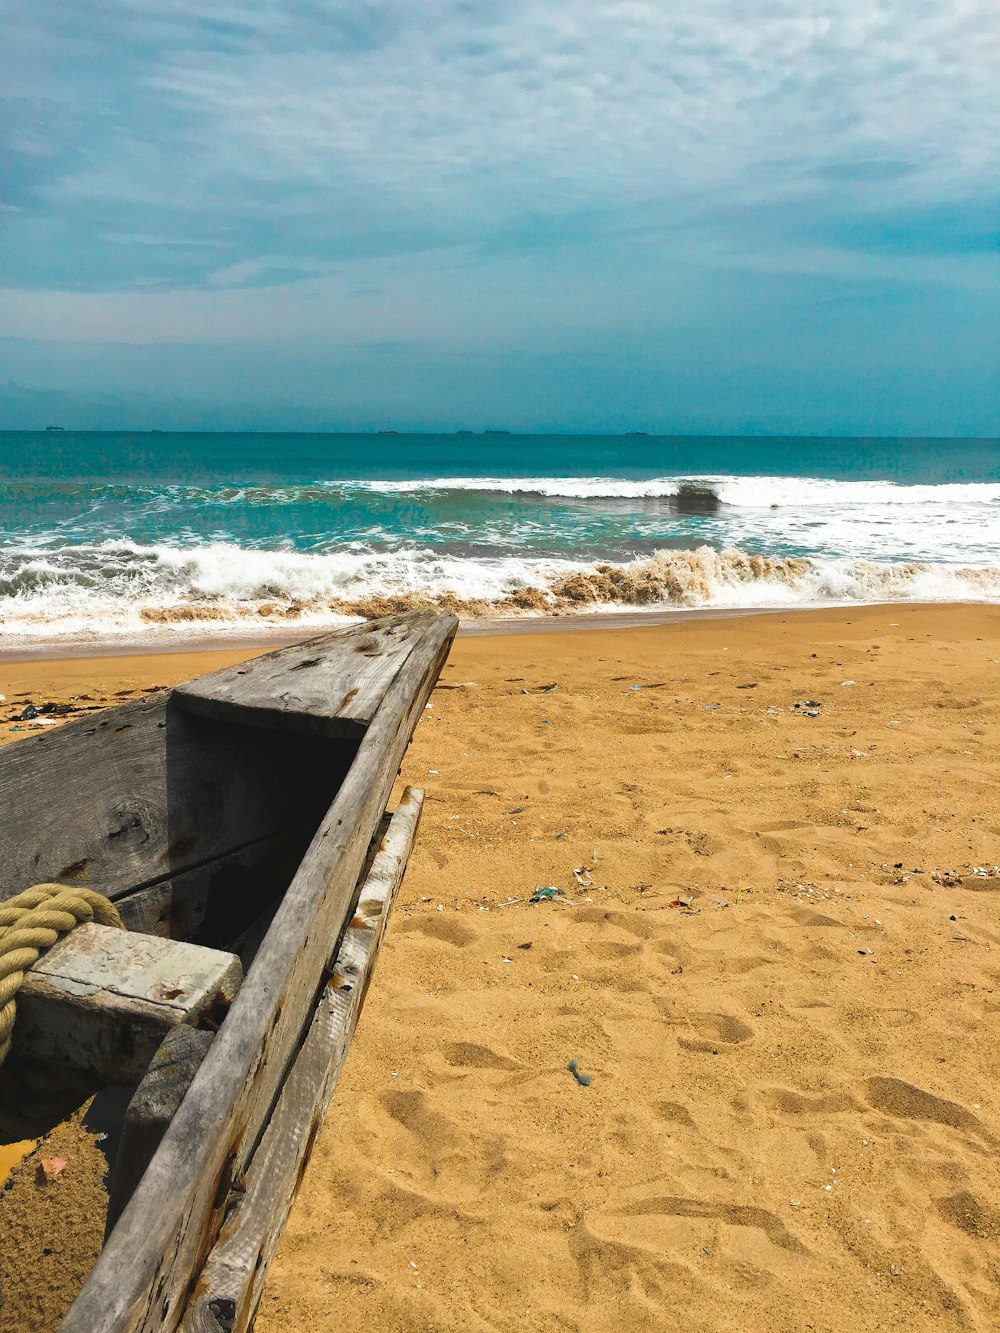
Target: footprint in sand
715 1030
444 928
451 1155
638 927
903 1101
963 1210
675 1113
614 950
731 1214
796 1103
470 1055
409 1108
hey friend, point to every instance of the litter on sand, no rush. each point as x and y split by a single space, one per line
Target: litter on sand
582 1079
50 1169
546 893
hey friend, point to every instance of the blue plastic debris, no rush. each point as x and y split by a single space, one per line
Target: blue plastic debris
545 894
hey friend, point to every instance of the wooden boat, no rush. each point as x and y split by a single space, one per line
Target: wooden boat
244 811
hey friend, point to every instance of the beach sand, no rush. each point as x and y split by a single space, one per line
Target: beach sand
775 956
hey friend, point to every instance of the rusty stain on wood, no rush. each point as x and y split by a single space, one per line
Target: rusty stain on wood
75 869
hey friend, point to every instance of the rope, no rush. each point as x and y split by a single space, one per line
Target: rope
30 923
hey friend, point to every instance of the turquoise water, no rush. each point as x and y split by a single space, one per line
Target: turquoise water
107 534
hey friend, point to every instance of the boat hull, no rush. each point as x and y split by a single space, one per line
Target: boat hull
192 1243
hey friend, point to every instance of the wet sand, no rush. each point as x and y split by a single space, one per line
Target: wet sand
774 956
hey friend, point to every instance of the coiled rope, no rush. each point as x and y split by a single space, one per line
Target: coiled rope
30 923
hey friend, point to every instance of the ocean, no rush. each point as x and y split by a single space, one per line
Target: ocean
112 537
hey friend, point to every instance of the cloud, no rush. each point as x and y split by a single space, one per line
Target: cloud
288 137
280 203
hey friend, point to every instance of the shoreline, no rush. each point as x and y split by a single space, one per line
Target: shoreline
105 649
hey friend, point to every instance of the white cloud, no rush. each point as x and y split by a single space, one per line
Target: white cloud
465 117
492 173
560 106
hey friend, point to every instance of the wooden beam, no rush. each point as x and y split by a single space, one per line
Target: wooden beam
101 1000
311 688
152 1107
145 1273
232 1280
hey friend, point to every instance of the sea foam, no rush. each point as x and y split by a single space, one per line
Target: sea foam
118 588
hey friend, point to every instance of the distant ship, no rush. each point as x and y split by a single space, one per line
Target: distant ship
388 432
464 432
52 430
496 432
636 432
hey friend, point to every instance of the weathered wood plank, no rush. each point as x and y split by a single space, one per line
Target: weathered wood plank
151 1109
101 1000
232 1280
143 1277
332 685
146 791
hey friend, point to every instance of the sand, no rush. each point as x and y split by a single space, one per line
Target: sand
777 966
52 1220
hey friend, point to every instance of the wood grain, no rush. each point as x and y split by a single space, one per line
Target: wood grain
148 791
232 1280
152 1107
332 685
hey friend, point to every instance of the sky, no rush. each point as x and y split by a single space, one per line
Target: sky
727 217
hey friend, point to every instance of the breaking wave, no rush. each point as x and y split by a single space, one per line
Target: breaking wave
116 589
740 492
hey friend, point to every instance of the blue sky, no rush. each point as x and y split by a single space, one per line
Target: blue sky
733 217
